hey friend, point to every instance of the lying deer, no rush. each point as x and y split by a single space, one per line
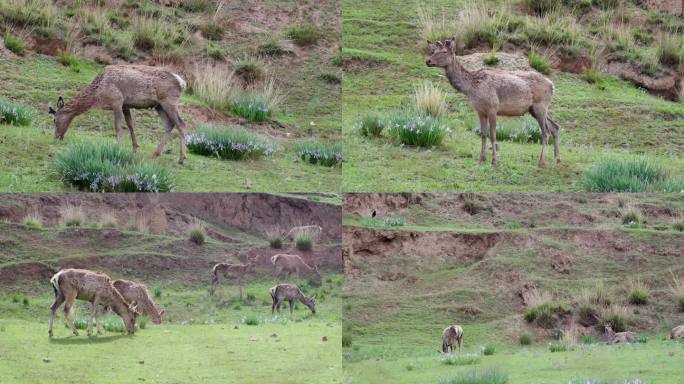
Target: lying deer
451 336
230 271
96 288
613 337
137 294
290 293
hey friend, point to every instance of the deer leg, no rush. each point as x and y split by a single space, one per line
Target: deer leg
492 135
483 134
93 314
67 307
214 283
291 304
553 128
118 115
168 128
540 114
172 111
97 321
59 299
129 123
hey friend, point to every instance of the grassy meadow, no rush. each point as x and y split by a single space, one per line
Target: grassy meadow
384 53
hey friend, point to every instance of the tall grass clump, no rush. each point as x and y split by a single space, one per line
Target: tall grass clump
371 124
678 226
304 241
669 50
617 317
409 128
433 26
232 143
677 289
197 6
215 86
543 310
538 62
631 215
477 377
249 69
151 33
211 30
346 340
636 175
108 220
319 152
394 221
72 216
197 232
638 292
110 168
525 339
465 359
430 100
252 108
13 43
33 220
12 113
542 7
488 350
275 240
303 34
273 48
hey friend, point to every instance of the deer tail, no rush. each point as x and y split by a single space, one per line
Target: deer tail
274 258
55 282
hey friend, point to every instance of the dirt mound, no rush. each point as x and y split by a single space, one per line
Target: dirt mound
363 204
669 85
25 271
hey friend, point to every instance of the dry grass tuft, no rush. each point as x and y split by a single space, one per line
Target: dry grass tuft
72 216
430 100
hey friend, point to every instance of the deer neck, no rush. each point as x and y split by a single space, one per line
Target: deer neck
459 77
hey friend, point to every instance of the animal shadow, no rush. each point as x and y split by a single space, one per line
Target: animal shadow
80 340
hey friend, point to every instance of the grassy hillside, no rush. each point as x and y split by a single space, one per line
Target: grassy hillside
384 53
65 47
485 271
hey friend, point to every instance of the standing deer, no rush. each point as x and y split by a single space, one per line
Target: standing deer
121 88
290 293
230 271
290 264
451 336
502 93
618 337
96 288
312 230
137 294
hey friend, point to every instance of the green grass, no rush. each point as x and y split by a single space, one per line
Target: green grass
372 124
232 143
303 242
320 153
408 128
466 359
538 62
303 34
478 377
14 43
252 108
636 175
15 113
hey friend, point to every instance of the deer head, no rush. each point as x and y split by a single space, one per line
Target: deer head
157 316
62 119
128 314
311 303
441 53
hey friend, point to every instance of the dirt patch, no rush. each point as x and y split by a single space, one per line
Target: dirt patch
363 204
357 65
668 86
46 46
25 271
507 61
562 264
571 64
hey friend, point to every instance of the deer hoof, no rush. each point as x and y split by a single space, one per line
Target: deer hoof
180 161
50 333
558 160
541 164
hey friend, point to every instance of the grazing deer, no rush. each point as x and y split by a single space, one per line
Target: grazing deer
230 271
451 336
677 332
137 294
121 88
613 337
502 93
290 264
96 288
290 293
312 230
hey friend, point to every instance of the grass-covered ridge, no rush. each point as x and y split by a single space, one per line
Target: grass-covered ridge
613 120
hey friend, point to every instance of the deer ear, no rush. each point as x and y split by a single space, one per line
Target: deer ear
161 313
60 102
51 110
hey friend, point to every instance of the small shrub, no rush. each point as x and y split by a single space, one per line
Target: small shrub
14 44
394 221
33 220
273 48
303 242
560 347
545 314
371 124
214 51
411 129
525 339
150 34
488 350
15 299
67 60
211 31
232 143
617 317
471 206
410 367
321 153
490 60
25 302
477 377
670 51
214 86
72 216
592 76
197 6
14 113
252 108
142 322
638 293
465 359
346 340
430 100
249 69
677 289
513 225
303 34
197 233
538 62
157 293
678 226
107 220
251 320
275 242
330 78
631 215
612 175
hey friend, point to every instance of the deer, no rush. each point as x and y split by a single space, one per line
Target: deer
289 264
96 288
677 332
290 293
618 337
138 295
121 88
230 271
451 336
493 93
312 230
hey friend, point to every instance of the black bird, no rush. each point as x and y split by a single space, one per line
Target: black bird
373 215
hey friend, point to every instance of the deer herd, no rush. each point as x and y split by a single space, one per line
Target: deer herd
129 299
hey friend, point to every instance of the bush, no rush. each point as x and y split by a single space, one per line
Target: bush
275 242
252 108
67 60
471 206
670 51
631 215
638 293
25 302
346 340
196 233
490 60
430 100
14 44
110 168
33 221
72 216
477 377
617 317
251 320
637 175
411 129
321 153
157 293
525 339
249 69
488 350
211 31
303 242
273 48
678 226
466 359
232 143
371 124
538 62
545 314
303 34
14 113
